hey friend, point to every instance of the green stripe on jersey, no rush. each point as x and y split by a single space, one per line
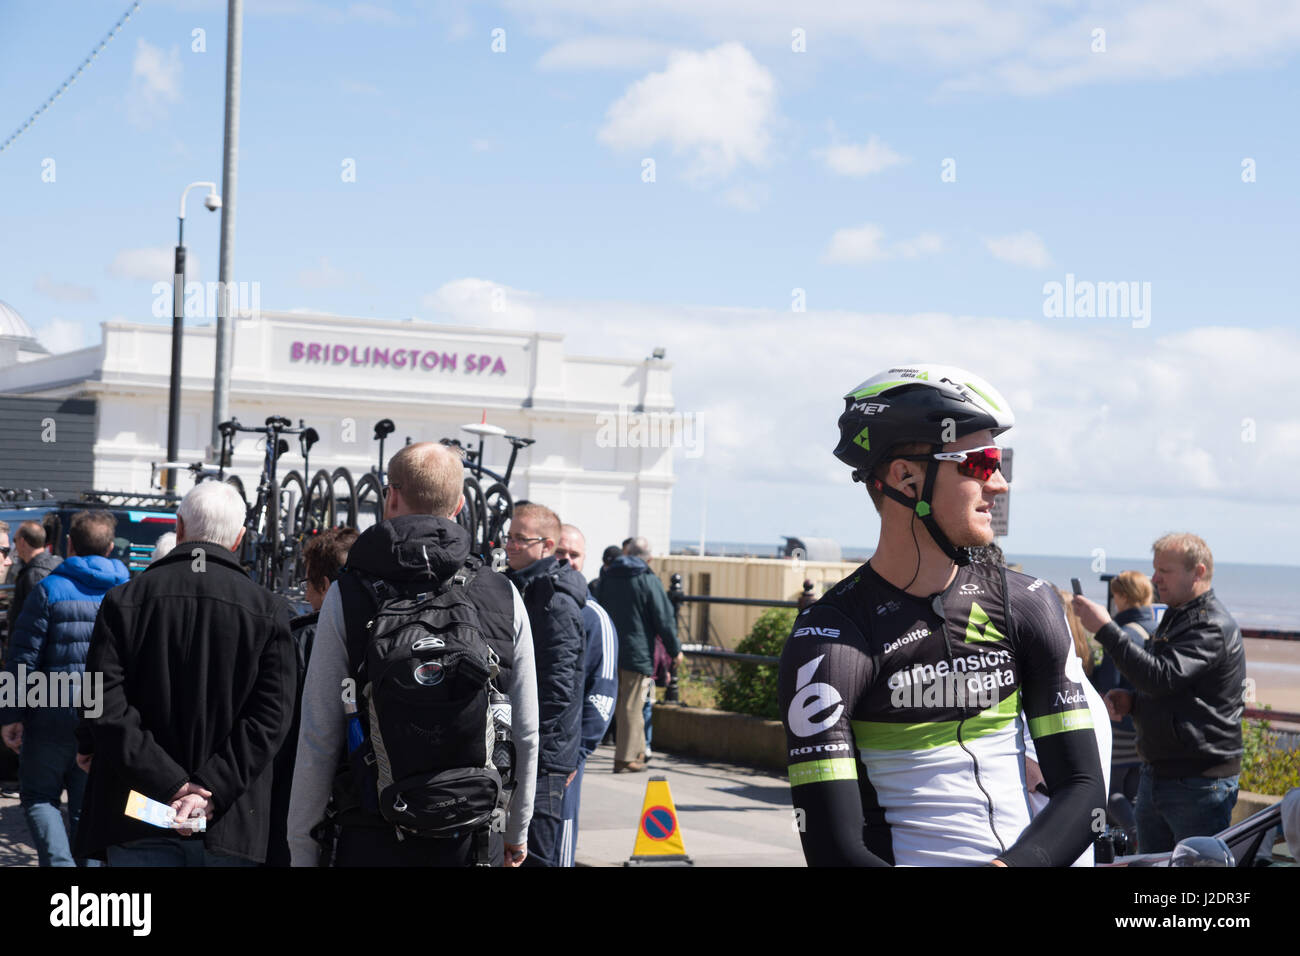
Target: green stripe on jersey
819 771
1049 724
880 735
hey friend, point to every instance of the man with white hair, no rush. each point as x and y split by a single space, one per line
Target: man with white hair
199 676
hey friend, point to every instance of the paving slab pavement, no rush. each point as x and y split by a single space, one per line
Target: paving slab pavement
729 815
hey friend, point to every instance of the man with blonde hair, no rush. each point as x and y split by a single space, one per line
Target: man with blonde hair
1187 700
417 552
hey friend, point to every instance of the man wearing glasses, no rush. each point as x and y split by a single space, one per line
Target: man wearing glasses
902 689
554 595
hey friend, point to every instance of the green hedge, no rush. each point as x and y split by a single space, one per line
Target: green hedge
1266 767
751 688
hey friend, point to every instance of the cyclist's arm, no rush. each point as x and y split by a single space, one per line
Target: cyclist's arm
821 678
1061 724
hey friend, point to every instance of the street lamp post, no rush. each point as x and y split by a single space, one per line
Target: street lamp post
213 202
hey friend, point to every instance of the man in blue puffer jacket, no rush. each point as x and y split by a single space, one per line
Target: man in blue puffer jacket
52 637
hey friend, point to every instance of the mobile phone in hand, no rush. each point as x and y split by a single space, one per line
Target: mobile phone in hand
1074 583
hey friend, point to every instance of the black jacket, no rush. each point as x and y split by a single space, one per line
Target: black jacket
30 575
199 682
554 595
1189 683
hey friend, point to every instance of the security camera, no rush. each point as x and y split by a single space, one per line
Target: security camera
212 201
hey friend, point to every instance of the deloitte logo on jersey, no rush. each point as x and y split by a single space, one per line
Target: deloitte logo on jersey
812 699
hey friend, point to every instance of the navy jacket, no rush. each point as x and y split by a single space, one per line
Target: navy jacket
53 631
554 595
29 575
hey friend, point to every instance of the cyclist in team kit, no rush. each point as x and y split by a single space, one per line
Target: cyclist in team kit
905 688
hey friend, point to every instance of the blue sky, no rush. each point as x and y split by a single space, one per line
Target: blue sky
775 170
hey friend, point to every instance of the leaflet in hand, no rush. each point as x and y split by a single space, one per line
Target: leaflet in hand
160 814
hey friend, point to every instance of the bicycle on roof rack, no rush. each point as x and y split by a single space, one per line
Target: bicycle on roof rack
278 519
486 512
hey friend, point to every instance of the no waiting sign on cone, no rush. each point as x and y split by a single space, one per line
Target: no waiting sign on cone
658 835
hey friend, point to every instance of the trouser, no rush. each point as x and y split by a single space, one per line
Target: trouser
571 808
170 851
546 830
647 712
629 742
48 767
1170 809
379 846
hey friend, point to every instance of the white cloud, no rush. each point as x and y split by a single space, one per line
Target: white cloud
153 264
603 53
715 108
481 302
870 157
746 197
866 243
926 244
61 335
1022 46
1021 249
326 275
155 84
63 291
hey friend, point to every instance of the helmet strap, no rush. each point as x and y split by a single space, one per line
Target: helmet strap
923 510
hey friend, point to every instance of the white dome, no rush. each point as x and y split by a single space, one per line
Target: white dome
13 324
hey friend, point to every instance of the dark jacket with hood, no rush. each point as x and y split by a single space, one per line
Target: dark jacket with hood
639 607
32 573
554 596
1190 686
53 632
199 681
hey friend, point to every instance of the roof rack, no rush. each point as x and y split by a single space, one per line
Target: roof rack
131 499
25 494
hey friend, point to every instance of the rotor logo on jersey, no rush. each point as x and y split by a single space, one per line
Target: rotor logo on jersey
1038 583
812 699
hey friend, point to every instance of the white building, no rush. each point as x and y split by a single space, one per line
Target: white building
341 375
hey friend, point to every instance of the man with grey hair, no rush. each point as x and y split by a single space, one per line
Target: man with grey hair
199 677
417 548
639 607
1189 680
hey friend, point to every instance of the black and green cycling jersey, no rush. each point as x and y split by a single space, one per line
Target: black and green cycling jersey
904 720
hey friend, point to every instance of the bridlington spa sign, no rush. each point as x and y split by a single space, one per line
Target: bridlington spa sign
406 359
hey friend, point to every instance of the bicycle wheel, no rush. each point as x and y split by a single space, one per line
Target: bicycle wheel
265 546
347 502
498 507
370 501
294 524
320 502
470 517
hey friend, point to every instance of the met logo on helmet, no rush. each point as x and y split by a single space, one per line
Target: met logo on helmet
868 408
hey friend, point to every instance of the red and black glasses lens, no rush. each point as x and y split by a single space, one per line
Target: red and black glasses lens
980 463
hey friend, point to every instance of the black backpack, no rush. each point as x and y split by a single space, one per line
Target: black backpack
432 762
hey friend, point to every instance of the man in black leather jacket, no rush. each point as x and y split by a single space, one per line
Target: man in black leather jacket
1189 681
